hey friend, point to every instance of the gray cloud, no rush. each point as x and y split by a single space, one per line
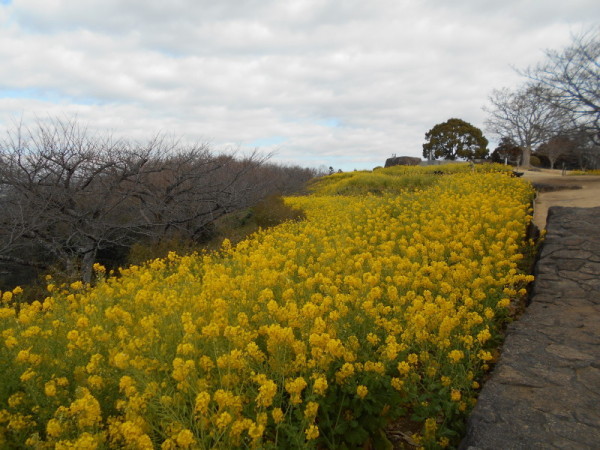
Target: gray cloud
322 82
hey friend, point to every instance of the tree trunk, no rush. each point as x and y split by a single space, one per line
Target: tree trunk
87 265
526 161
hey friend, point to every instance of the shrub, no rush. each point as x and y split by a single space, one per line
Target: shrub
535 161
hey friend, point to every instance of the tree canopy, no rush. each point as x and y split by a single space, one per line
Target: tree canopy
455 139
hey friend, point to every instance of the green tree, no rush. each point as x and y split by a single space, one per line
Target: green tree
454 139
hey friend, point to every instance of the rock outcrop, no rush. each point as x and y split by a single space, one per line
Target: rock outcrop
402 161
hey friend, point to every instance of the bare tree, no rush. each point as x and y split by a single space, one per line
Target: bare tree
555 148
63 184
187 189
571 79
520 116
70 194
586 151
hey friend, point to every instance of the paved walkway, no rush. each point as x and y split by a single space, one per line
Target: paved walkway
545 391
554 189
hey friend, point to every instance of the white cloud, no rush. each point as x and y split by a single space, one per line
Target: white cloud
322 82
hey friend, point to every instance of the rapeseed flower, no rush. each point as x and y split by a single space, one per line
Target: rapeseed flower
382 298
312 432
362 391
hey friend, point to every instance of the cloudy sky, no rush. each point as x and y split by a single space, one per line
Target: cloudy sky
343 83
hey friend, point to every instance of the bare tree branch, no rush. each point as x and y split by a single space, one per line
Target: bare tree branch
521 117
572 80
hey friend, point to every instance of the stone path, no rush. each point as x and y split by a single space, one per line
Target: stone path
545 390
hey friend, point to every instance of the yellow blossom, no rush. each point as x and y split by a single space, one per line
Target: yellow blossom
50 389
484 355
295 388
403 367
484 335
256 431
223 420
127 385
267 391
121 360
310 411
320 385
455 355
27 375
362 391
455 395
202 401
504 303
346 371
397 383
53 428
278 415
77 285
312 432
185 438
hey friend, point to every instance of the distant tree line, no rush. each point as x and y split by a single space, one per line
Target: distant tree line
67 194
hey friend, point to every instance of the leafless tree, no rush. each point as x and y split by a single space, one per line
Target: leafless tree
520 116
189 188
586 151
571 79
555 148
69 193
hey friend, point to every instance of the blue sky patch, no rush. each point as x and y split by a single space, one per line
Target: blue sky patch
49 96
332 122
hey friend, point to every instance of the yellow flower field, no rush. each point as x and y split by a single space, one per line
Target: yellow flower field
312 334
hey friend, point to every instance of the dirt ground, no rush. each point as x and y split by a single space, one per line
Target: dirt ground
556 189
